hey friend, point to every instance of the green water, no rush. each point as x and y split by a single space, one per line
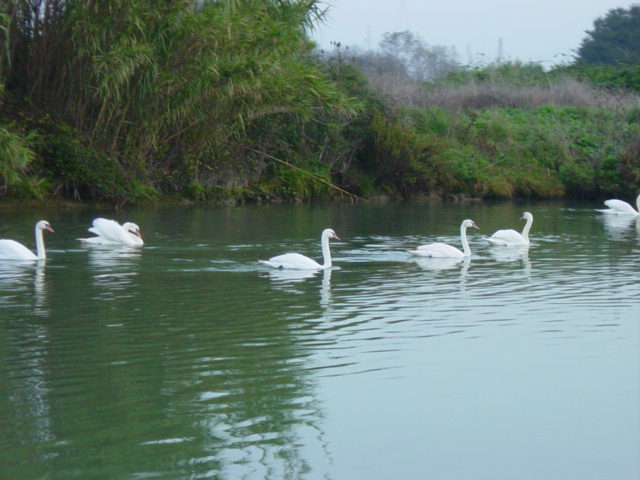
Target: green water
187 359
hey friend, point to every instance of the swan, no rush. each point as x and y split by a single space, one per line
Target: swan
300 262
110 232
620 207
12 250
443 250
511 238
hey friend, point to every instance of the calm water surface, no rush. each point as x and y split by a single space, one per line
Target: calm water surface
187 359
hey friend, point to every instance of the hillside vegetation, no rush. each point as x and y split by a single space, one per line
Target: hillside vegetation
136 100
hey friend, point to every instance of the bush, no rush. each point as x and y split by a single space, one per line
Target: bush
544 152
79 172
15 159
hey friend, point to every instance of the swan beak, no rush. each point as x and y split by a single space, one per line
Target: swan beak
138 234
48 227
336 237
475 226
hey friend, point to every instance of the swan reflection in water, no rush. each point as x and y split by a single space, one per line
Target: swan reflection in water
40 306
442 264
325 289
287 280
286 276
16 278
512 254
114 266
436 264
618 226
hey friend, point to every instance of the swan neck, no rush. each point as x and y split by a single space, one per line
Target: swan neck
465 243
527 227
40 251
638 204
326 252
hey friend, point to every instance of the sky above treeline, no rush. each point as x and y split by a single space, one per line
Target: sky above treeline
481 31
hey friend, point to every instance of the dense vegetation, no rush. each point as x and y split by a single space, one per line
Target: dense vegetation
128 100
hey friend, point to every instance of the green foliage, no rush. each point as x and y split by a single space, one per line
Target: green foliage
545 152
219 99
150 83
5 56
394 157
614 40
508 73
77 172
625 77
15 157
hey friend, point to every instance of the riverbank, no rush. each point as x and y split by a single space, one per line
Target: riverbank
174 110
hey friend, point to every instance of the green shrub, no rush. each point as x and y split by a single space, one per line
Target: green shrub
16 158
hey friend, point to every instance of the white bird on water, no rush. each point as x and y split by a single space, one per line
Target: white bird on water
301 262
110 232
620 207
511 238
12 250
443 250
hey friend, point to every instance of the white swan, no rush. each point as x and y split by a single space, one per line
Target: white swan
110 232
511 238
12 250
620 207
300 262
443 250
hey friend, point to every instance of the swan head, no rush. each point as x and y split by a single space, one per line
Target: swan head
132 228
526 216
44 225
329 233
469 223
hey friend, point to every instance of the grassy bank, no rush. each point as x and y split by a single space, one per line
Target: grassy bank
545 152
228 102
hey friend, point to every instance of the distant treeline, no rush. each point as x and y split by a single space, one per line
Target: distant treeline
227 100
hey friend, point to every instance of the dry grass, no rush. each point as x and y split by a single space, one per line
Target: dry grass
566 91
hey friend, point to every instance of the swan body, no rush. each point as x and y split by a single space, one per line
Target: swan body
511 238
444 250
110 232
297 261
620 207
12 250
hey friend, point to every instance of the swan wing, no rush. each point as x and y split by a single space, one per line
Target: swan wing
12 250
292 261
437 250
112 231
98 241
507 237
619 207
108 229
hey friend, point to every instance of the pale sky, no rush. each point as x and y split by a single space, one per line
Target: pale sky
542 31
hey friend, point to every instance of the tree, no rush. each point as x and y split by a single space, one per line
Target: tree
614 40
421 61
166 89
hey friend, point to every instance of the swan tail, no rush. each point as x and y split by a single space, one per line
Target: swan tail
495 241
270 264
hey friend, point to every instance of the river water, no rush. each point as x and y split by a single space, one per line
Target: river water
188 359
